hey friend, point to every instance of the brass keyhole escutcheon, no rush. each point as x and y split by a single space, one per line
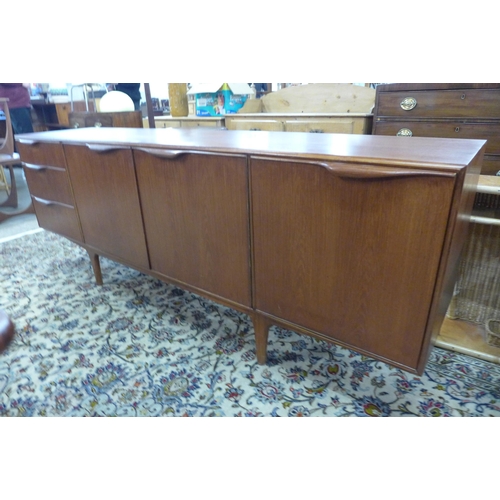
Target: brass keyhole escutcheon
405 132
408 103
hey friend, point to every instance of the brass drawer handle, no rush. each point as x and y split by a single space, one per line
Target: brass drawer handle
316 131
254 129
404 132
408 103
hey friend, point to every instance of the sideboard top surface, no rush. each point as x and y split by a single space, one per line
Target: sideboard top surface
442 153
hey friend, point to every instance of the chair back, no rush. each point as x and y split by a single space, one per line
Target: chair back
6 143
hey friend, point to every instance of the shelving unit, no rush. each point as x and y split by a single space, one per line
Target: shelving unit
464 336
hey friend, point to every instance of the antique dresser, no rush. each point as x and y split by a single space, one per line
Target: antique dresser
454 110
352 239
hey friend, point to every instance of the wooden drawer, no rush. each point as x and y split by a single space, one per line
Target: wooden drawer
468 103
77 120
49 183
489 131
167 124
194 123
58 218
331 126
269 125
42 153
113 119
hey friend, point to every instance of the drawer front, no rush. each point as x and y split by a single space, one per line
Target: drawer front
79 120
440 103
167 124
58 218
50 183
42 153
269 125
195 124
330 126
453 130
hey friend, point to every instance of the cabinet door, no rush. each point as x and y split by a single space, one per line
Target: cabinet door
196 218
350 252
107 200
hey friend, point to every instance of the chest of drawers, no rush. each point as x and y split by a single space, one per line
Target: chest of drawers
453 110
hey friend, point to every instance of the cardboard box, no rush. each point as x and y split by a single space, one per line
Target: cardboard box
218 99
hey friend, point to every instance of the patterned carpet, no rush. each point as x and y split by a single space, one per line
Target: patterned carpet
139 347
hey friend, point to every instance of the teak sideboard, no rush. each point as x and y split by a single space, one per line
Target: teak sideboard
353 239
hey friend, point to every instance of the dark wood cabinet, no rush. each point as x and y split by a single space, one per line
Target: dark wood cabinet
350 239
454 110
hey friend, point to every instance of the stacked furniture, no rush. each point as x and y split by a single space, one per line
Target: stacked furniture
316 107
459 111
352 239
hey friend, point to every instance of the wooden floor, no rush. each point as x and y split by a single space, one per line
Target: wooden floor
467 338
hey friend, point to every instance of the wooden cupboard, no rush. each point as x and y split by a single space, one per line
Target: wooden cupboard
350 239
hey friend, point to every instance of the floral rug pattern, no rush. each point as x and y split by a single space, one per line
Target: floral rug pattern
139 347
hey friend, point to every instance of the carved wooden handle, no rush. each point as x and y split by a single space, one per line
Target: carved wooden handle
43 201
105 148
49 203
165 153
376 172
31 166
30 142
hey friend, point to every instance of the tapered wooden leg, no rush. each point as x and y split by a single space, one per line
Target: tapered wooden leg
96 266
261 327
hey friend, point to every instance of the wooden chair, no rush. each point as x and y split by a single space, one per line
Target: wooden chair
8 156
